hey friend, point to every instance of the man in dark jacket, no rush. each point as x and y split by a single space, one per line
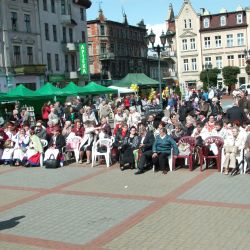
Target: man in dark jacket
235 114
146 144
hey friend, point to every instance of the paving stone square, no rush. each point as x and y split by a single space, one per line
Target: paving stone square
70 218
221 188
43 178
15 246
178 226
10 196
126 183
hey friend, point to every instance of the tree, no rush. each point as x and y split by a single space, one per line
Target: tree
209 77
248 69
230 75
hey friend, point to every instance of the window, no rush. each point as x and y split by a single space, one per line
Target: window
57 62
218 41
25 1
230 41
206 23
222 21
239 19
70 35
46 28
219 62
240 39
184 44
63 7
83 37
194 64
190 23
207 62
185 23
73 63
30 55
102 30
49 62
192 44
230 60
82 14
103 48
17 55
186 68
241 59
27 23
45 6
64 34
54 33
52 2
207 42
66 61
14 21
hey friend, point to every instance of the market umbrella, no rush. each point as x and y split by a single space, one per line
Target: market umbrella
48 90
20 93
70 89
93 88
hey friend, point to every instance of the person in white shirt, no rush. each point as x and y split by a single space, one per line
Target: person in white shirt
134 117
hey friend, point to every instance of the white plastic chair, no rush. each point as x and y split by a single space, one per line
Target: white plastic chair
102 142
169 162
44 144
76 141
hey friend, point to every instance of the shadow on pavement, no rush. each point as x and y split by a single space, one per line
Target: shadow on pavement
10 223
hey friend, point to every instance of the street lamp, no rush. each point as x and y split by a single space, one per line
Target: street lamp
164 37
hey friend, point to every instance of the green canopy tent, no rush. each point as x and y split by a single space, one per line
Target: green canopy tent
136 78
49 90
70 89
94 89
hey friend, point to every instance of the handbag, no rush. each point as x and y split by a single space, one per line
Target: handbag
52 162
184 149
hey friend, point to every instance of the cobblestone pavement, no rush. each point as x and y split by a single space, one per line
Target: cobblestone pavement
79 207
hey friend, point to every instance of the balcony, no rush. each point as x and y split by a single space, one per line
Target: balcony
107 56
66 19
38 69
70 47
168 54
71 75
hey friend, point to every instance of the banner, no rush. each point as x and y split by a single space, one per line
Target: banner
84 69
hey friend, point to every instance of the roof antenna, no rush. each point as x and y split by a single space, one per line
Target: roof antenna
100 4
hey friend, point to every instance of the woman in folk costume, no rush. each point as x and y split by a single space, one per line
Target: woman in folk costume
87 140
35 149
56 144
20 148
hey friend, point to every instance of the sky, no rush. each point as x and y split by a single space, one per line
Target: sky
154 12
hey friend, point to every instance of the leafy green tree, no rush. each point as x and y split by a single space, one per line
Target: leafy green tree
248 69
230 75
177 91
209 77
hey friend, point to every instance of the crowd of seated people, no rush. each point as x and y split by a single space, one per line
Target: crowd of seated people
140 140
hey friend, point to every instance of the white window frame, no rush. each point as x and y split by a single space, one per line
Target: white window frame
240 39
230 60
223 21
192 44
194 64
219 62
230 40
218 41
190 23
185 65
207 42
184 44
206 23
185 23
239 18
241 60
208 61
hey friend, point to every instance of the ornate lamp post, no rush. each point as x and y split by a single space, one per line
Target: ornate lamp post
164 37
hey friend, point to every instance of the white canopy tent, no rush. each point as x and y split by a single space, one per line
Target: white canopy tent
122 90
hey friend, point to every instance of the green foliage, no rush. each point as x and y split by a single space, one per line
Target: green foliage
248 69
230 75
177 91
209 77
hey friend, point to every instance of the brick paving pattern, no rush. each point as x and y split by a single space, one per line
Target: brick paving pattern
79 207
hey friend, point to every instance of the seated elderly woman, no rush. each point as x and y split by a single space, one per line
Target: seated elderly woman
129 144
178 132
55 146
232 146
21 146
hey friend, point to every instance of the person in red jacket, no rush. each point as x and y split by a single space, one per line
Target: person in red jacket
126 102
46 111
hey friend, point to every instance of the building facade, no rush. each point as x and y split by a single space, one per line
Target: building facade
116 49
210 40
39 41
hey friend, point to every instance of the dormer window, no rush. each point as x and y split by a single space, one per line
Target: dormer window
239 19
206 22
222 21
